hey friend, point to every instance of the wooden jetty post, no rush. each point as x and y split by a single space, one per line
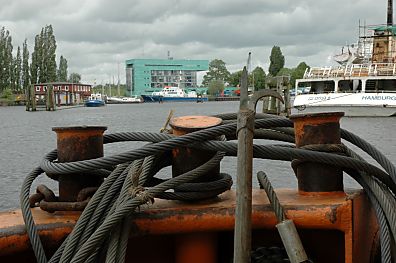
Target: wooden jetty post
273 106
32 99
27 97
31 103
50 98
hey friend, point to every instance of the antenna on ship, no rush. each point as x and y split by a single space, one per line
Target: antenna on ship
169 56
249 68
389 21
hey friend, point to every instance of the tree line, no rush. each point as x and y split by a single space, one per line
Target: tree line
218 76
16 73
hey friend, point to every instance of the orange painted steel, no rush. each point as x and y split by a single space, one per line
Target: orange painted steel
75 144
187 124
343 224
195 247
318 129
185 159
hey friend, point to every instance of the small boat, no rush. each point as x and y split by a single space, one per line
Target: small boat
124 100
174 94
95 100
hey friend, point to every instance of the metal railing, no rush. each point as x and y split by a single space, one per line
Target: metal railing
352 70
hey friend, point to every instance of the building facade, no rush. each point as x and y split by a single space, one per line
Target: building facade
65 93
144 76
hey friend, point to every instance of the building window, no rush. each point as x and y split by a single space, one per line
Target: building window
66 88
44 88
37 88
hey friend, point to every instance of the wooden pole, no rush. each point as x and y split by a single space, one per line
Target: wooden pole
243 213
33 98
50 100
27 98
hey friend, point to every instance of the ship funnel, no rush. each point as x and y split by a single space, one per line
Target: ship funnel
389 21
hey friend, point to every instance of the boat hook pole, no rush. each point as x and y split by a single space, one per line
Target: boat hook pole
245 134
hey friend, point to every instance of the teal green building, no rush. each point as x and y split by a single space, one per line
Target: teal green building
144 76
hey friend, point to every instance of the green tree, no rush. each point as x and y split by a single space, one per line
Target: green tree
25 66
62 70
6 58
217 71
235 78
18 71
74 78
50 55
43 67
216 86
277 61
298 72
258 76
35 66
285 72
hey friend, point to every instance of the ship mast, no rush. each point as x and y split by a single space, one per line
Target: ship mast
389 21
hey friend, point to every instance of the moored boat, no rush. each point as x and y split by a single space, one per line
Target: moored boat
174 94
367 88
123 100
95 100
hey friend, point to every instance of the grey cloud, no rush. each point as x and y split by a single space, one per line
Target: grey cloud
95 35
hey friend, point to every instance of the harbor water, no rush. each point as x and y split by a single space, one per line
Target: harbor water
25 137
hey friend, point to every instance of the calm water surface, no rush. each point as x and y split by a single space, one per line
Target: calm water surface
27 136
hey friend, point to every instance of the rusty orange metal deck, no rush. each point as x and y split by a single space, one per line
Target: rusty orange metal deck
333 227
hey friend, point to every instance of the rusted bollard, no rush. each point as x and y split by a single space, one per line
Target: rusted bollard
76 144
194 247
186 159
318 128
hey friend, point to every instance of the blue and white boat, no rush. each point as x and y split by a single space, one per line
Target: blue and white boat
174 94
95 100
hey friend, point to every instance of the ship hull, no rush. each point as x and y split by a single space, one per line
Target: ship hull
353 104
94 103
153 98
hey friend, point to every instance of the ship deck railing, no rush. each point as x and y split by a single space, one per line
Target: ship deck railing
352 70
346 91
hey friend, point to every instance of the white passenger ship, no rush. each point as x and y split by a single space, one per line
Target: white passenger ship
365 87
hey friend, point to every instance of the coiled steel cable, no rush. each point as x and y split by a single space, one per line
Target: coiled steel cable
83 242
131 204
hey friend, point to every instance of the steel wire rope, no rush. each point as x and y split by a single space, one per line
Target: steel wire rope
27 214
230 150
377 193
123 239
104 206
372 151
32 232
151 149
287 154
131 204
350 137
81 225
130 180
384 213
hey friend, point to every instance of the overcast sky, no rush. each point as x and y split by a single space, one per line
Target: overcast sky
97 36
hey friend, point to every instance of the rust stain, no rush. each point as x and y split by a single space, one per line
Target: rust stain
332 214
